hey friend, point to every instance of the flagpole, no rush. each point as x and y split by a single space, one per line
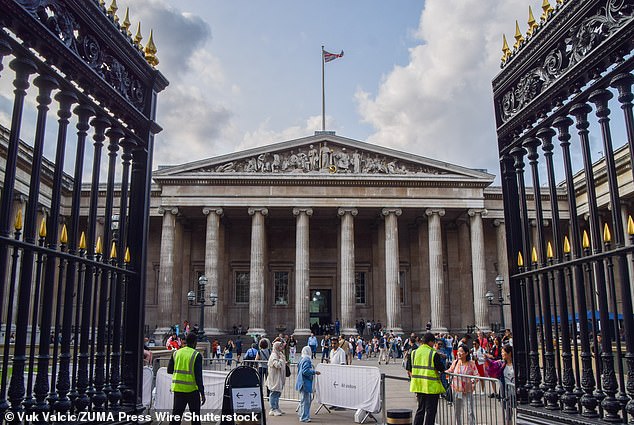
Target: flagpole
323 93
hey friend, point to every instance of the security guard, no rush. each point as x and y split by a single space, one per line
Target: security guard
186 367
427 366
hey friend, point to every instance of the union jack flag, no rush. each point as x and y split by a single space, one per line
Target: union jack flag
331 56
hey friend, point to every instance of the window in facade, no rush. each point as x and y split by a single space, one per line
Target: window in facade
359 287
242 287
280 280
401 286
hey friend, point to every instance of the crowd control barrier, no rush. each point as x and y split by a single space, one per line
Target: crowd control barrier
214 386
289 393
350 387
486 402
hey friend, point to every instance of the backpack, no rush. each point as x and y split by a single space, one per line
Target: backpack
250 355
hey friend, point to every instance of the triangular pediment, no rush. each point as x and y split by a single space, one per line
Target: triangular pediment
323 153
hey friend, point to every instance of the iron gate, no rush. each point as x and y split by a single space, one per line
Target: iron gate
82 289
562 78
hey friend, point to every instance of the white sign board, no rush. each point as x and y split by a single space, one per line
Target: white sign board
214 382
352 387
246 399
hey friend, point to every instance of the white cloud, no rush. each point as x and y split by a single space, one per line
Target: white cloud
263 135
440 105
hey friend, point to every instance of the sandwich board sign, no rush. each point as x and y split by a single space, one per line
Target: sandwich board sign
243 401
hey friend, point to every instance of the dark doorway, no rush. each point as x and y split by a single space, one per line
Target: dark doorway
320 310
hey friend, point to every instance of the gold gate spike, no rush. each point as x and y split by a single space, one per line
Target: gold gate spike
98 248
82 241
630 226
138 37
126 22
518 36
534 255
506 51
520 259
43 227
607 237
126 257
113 251
566 245
150 51
64 237
585 242
532 24
549 251
17 225
548 9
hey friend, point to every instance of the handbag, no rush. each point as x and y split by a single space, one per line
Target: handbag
288 370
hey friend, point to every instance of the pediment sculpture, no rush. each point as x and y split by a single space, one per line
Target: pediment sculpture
322 158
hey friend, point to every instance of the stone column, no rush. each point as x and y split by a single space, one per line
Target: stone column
478 269
166 272
625 217
212 270
302 271
436 274
503 266
256 273
466 277
347 269
392 269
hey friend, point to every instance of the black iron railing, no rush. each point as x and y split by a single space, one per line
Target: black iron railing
554 94
79 285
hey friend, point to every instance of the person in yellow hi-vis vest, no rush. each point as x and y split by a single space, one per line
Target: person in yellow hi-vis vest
186 367
427 366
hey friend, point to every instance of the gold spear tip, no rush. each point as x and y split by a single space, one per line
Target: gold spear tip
630 226
534 255
150 50
566 245
126 21
43 227
82 241
64 236
98 249
548 9
607 237
138 37
17 225
560 1
549 250
520 259
126 256
518 36
532 23
506 51
102 3
585 241
113 251
112 10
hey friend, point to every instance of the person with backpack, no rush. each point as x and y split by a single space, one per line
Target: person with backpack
251 353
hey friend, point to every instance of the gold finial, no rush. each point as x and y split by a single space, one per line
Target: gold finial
126 257
113 251
566 245
102 3
126 22
532 24
82 241
64 237
138 37
17 225
506 52
534 255
112 10
607 237
43 227
549 251
560 1
520 259
98 249
548 9
630 226
585 241
518 36
150 51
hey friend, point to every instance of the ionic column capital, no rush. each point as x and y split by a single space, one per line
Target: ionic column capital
307 211
388 211
172 210
431 211
498 222
344 211
216 210
473 211
261 210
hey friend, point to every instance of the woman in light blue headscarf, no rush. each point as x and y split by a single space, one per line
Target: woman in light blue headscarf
304 384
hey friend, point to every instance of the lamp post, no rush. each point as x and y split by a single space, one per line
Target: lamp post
199 299
499 280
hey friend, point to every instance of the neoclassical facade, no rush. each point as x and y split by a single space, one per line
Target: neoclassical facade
324 228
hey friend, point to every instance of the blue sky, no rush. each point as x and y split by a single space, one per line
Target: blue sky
416 75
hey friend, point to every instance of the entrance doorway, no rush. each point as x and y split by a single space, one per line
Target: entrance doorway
320 310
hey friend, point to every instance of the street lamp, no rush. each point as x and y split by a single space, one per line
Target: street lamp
199 299
499 280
